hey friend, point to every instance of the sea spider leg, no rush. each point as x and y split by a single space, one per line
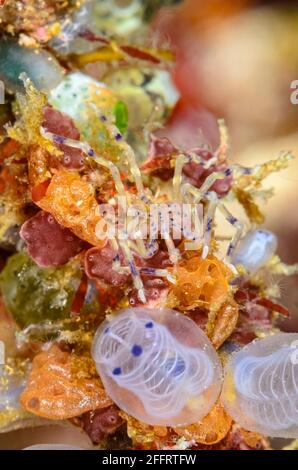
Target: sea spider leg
137 281
132 268
137 229
120 188
145 270
193 157
157 272
222 151
152 248
177 180
208 221
181 159
173 252
129 247
116 266
264 169
146 251
216 203
58 139
202 193
198 195
139 247
209 181
187 189
235 223
128 154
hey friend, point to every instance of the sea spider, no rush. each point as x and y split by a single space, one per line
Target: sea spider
183 192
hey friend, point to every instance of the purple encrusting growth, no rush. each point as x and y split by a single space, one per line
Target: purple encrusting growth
48 242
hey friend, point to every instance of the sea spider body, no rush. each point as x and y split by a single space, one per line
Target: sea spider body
182 193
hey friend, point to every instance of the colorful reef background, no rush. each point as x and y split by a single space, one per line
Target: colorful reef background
113 335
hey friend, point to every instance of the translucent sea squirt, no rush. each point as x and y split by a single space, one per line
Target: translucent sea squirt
158 366
255 249
260 390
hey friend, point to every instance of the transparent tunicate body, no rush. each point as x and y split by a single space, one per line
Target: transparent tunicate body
255 249
260 390
158 366
73 94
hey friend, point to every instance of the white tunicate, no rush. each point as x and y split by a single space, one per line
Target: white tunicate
158 366
52 447
74 93
255 249
260 390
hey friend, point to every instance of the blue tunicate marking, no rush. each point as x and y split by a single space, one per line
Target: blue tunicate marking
150 324
117 371
136 350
